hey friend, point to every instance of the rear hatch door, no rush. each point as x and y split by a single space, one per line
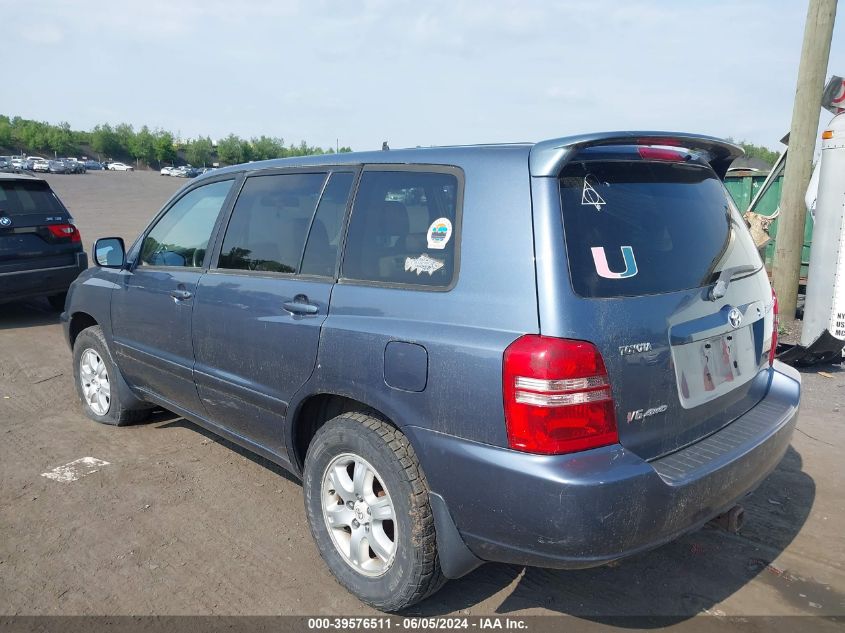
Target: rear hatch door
28 208
649 233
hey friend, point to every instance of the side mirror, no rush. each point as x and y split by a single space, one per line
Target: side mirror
109 252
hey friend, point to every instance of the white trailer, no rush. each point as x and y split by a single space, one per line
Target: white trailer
824 311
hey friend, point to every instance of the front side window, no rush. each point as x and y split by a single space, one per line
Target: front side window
180 237
270 222
403 228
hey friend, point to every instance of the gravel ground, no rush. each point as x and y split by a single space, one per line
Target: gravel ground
180 522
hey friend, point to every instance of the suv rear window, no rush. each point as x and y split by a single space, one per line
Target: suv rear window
647 227
19 197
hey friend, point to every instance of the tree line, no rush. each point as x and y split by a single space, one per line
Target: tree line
160 146
757 151
145 145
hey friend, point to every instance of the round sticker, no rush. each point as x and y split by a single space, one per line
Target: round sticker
439 233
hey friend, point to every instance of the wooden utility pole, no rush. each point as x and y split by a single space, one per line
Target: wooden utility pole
786 268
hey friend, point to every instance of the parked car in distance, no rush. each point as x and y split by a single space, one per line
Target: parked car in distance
57 167
184 171
39 165
120 167
168 170
6 163
517 353
40 248
73 166
93 165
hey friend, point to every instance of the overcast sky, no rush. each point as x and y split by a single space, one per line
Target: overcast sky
411 72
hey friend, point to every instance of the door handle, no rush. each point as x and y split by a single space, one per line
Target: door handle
181 295
300 305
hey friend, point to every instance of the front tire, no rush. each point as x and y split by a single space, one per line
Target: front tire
366 499
95 375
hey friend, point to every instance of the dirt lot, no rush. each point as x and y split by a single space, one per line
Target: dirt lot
180 522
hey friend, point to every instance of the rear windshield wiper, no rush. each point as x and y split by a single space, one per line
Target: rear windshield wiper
718 291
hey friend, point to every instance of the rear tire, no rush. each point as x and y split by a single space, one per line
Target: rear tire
95 375
396 563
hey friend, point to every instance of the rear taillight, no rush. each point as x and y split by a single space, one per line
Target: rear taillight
775 320
557 396
658 153
65 231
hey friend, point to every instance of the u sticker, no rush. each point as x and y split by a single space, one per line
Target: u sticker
439 233
603 269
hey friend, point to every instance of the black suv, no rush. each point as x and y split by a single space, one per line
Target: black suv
40 248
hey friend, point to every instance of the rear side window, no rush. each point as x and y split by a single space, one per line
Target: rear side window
404 228
20 197
645 227
270 222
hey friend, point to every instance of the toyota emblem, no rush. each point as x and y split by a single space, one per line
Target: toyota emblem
735 318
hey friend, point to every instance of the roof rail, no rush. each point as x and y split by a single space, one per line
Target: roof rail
548 158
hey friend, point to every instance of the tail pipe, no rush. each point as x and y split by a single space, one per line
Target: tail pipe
730 521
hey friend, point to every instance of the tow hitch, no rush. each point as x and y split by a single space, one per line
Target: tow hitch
730 521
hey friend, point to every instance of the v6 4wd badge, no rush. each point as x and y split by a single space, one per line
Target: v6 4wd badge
641 414
634 348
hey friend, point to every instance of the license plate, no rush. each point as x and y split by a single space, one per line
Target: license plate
710 368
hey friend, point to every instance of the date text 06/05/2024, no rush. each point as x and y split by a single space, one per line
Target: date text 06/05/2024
413 624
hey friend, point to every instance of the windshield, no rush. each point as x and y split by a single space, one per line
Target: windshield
648 227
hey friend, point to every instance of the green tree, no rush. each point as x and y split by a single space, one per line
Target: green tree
757 151
142 146
230 150
125 135
164 150
60 138
32 135
5 131
104 141
266 147
198 151
80 137
121 141
246 151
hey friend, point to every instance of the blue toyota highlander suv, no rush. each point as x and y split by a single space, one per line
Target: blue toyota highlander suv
553 354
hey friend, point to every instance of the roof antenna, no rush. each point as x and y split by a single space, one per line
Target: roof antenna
384 146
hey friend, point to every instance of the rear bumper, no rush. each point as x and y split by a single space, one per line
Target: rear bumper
39 282
586 509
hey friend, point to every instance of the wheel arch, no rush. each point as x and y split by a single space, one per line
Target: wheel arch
313 411
79 321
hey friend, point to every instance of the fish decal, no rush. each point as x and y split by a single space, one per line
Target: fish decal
423 264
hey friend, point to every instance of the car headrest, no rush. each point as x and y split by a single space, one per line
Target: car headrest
391 219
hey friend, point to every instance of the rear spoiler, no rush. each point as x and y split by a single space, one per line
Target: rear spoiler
548 158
